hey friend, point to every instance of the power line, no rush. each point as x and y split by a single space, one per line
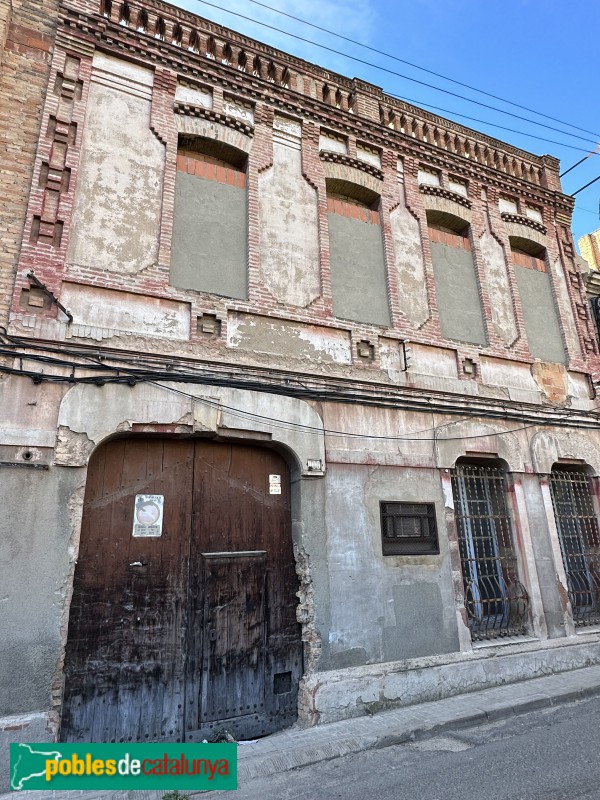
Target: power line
492 124
581 160
399 74
416 66
587 210
586 186
132 376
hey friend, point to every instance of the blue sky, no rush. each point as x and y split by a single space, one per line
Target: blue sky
533 52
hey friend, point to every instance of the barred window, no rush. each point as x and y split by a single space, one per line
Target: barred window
408 529
496 601
579 537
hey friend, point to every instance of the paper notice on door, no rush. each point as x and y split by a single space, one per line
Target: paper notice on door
274 484
148 515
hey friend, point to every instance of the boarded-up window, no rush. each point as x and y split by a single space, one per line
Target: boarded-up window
539 308
456 284
209 249
358 275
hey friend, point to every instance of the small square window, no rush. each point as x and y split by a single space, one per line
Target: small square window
408 529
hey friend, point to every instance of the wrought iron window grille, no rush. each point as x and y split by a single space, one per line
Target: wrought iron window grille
496 601
579 537
408 529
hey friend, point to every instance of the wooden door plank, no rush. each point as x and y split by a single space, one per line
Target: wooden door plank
126 644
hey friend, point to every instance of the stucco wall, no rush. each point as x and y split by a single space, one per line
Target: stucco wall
358 270
457 294
494 263
541 319
289 234
383 608
116 216
35 533
409 264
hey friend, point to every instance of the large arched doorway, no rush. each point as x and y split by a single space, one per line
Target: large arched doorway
183 612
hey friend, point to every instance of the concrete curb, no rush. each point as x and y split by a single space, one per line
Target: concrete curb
298 748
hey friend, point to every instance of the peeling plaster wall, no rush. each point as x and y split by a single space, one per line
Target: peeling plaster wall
107 313
494 263
383 608
569 328
409 265
118 199
290 340
35 562
289 233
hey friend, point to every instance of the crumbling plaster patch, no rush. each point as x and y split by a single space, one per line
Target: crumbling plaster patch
548 447
65 593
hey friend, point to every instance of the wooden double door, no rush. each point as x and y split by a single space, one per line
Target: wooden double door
185 624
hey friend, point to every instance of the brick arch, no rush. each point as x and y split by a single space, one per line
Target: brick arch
208 129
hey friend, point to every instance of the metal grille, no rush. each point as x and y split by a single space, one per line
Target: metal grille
496 601
579 542
408 529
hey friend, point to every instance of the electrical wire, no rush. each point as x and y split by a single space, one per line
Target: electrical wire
132 377
415 66
400 75
586 186
485 122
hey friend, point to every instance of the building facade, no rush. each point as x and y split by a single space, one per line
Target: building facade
299 419
589 247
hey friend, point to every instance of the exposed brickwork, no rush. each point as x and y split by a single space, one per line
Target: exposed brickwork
552 380
211 169
388 133
353 210
449 239
530 262
27 30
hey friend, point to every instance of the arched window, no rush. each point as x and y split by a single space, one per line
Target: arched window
356 255
577 524
496 601
542 323
457 290
209 247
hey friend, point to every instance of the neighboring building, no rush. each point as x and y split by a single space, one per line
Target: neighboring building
298 413
589 247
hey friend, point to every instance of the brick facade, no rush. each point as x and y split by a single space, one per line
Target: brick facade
107 108
27 34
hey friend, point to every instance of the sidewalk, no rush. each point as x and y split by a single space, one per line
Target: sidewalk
301 747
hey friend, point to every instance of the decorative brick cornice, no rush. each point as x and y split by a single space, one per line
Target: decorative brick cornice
439 191
206 113
194 46
347 161
527 221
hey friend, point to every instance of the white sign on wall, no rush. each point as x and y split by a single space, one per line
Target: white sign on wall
274 484
148 515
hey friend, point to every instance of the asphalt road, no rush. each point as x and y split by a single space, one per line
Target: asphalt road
545 755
